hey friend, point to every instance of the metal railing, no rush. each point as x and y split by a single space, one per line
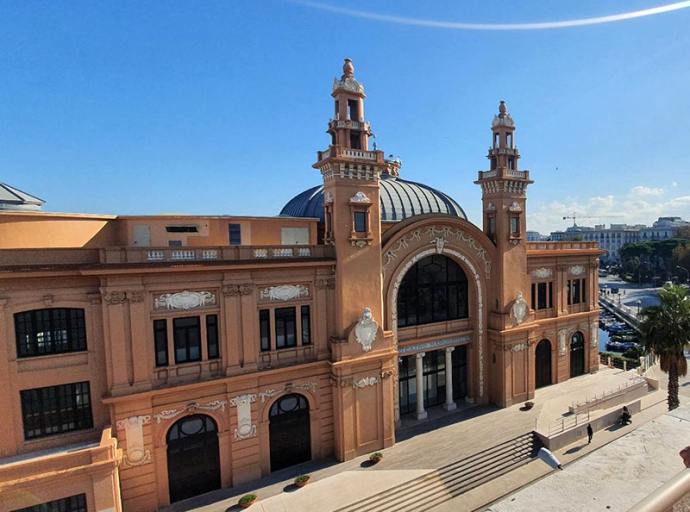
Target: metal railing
596 400
568 422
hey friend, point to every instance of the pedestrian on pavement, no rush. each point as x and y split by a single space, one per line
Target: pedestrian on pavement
590 433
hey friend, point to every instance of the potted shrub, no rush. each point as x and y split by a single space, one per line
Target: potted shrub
247 500
529 405
302 480
375 457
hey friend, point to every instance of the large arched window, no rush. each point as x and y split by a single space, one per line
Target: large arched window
433 290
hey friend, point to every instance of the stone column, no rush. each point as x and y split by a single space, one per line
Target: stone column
421 413
450 404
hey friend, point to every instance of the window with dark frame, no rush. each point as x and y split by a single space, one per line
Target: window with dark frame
285 321
50 331
514 225
181 229
577 291
306 325
265 329
76 503
235 233
160 339
212 336
360 222
187 339
434 290
56 409
542 295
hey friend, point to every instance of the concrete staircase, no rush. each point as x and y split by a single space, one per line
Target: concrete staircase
429 491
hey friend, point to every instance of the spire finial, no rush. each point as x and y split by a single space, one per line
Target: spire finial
348 69
502 107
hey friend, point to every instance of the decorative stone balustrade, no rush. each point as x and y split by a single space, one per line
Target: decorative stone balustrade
561 246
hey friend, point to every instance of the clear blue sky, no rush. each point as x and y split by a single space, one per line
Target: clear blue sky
219 107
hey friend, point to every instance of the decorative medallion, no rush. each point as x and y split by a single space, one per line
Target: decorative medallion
360 197
185 300
114 298
366 329
515 207
285 292
542 273
491 207
519 308
440 242
328 198
577 270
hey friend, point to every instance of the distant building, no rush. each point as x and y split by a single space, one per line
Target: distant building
613 238
13 199
534 236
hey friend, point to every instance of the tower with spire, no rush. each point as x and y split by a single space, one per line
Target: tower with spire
352 223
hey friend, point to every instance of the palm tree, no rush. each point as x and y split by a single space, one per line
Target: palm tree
665 333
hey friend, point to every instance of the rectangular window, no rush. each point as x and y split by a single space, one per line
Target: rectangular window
550 294
235 232
306 326
576 291
187 336
569 292
584 291
285 327
50 331
174 243
56 409
160 339
534 296
541 296
492 225
265 329
514 225
75 503
360 222
212 336
181 229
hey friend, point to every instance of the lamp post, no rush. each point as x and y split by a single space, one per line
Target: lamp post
686 272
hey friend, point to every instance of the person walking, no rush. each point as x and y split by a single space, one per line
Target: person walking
590 433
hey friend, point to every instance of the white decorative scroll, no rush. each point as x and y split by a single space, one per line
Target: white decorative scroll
542 273
136 455
515 207
366 329
519 347
491 207
285 292
433 232
519 308
577 270
440 242
366 381
244 429
270 393
562 350
594 334
173 413
328 198
360 197
185 300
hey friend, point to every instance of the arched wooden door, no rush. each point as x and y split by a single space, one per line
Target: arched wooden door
542 366
193 457
289 431
577 355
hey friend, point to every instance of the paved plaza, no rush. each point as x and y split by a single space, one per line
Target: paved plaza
426 446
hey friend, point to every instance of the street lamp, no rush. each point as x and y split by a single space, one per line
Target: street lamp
686 272
638 302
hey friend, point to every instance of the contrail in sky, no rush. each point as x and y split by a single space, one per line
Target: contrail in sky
491 26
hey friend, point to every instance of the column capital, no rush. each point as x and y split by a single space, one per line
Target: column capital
420 355
449 350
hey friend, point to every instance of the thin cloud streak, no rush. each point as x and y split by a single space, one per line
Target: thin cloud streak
492 26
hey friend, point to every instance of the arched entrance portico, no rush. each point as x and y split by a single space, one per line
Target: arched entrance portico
577 355
289 431
193 457
542 366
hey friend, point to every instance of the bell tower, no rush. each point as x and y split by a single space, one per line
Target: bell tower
362 355
504 198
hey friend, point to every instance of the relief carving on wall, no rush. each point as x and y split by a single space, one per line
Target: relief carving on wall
366 329
577 270
360 197
519 309
440 242
270 393
245 429
594 334
514 207
542 273
284 292
174 413
185 300
135 455
562 349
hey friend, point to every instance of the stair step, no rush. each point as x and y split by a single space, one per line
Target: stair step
454 479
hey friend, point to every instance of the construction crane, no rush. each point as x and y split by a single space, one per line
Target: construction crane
575 217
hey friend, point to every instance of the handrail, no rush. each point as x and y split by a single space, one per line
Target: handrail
665 497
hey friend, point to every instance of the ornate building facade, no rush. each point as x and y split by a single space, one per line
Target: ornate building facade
146 360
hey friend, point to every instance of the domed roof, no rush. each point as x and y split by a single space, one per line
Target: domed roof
399 199
13 199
